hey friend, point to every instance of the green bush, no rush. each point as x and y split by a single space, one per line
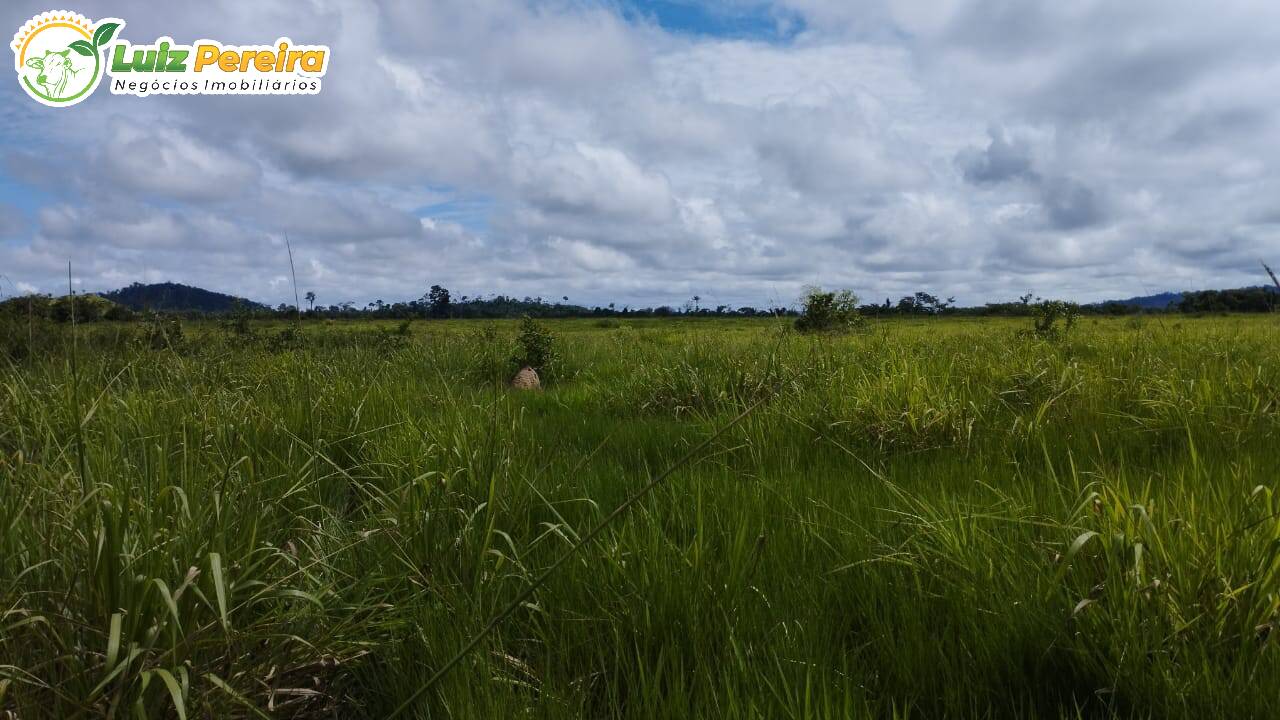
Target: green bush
1053 319
536 348
161 333
835 311
118 313
396 338
288 338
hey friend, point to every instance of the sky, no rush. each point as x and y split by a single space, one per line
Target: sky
642 153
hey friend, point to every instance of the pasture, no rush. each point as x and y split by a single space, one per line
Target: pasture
925 518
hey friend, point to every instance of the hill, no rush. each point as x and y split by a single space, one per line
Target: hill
1159 301
1237 299
175 297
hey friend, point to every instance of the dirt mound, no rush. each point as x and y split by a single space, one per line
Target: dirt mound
526 379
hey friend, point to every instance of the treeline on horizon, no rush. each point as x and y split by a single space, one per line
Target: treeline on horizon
438 303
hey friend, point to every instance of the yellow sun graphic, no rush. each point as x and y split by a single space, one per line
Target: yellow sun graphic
58 55
44 21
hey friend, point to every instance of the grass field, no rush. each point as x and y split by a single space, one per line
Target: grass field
925 519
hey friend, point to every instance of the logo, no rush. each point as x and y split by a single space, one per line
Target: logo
62 56
59 56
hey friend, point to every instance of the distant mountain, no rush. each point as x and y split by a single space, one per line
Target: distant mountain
1164 300
1159 301
175 297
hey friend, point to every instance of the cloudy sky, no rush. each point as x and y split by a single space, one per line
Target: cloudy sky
644 152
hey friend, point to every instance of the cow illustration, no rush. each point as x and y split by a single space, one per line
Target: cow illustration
55 71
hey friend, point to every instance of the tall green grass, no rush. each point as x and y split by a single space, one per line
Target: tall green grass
921 519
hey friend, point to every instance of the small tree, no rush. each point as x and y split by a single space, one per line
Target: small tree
311 300
1055 318
835 311
535 348
438 301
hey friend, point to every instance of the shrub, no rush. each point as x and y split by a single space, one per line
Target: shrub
237 322
118 313
395 338
162 333
835 311
87 308
535 348
1054 319
288 338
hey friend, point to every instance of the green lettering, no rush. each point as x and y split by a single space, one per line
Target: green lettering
118 63
177 60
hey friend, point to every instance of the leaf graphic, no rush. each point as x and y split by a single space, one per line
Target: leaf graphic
103 34
82 47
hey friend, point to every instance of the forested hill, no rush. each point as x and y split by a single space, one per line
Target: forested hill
1159 301
175 297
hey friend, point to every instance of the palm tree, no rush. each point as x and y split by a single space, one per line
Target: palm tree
311 300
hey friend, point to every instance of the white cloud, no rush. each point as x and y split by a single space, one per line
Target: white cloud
968 147
166 162
600 182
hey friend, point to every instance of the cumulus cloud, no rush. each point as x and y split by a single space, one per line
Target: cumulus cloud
974 148
165 162
1071 205
602 183
330 215
1003 159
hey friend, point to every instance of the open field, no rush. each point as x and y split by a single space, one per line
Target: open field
924 519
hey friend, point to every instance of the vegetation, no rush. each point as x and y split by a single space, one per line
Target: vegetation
1054 319
175 296
921 303
438 303
1255 299
828 311
932 518
535 348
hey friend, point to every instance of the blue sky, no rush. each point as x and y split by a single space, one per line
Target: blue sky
645 152
746 20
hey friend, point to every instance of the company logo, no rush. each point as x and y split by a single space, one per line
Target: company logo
58 56
62 56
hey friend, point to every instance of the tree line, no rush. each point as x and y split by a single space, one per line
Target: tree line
439 303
